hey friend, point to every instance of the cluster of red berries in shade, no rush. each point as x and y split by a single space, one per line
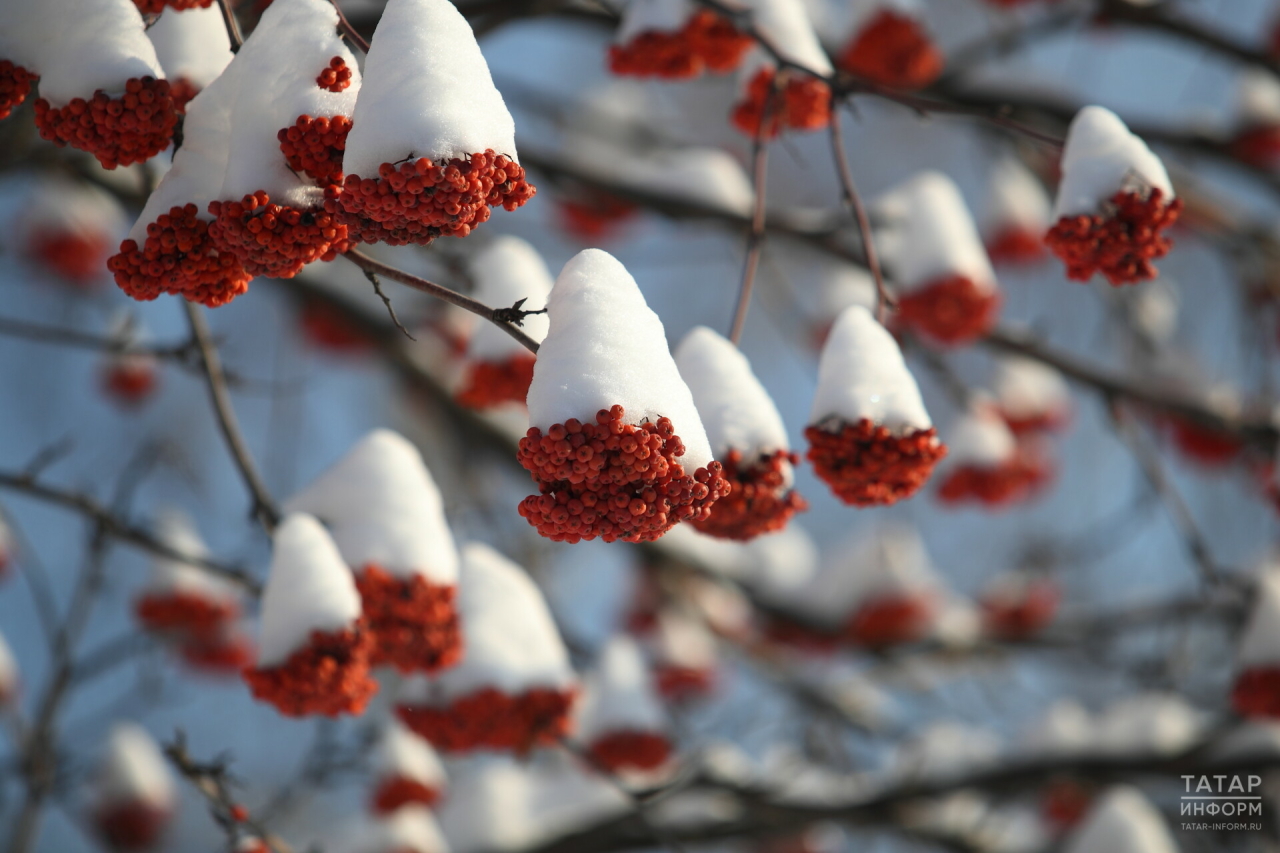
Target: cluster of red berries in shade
760 499
131 825
892 619
613 480
1258 146
1121 243
336 77
1015 245
15 85
328 327
414 623
683 683
1016 479
1033 423
952 310
395 792
800 102
1202 444
893 50
155 7
1256 692
200 628
1064 803
706 42
226 653
419 200
491 719
182 91
130 380
630 750
76 255
178 257
119 131
492 383
1020 613
314 146
272 239
866 464
593 217
327 676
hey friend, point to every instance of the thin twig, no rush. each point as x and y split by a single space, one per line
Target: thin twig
232 25
755 237
264 508
495 316
884 300
348 30
386 300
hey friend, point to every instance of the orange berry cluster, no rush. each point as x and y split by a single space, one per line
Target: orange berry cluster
1258 146
706 42
182 91
15 85
683 683
272 239
155 7
869 465
491 383
118 131
491 719
630 750
132 825
183 612
893 50
613 480
952 310
1203 444
75 255
593 217
419 200
413 622
784 630
1120 244
1016 617
329 676
178 257
336 77
1257 692
314 146
803 104
758 501
129 380
1049 420
395 792
329 328
227 653
890 620
1015 245
1015 480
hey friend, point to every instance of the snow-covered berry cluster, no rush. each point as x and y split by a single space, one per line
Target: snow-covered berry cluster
314 146
705 42
336 76
272 239
122 130
892 49
15 85
869 464
760 498
178 256
155 7
798 102
1120 242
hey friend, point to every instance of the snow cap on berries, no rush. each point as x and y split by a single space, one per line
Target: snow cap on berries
618 694
427 92
786 24
132 771
683 642
1260 643
642 16
931 234
779 561
169 576
512 644
81 46
1102 158
401 754
293 42
61 214
862 375
1016 200
606 347
1122 821
980 438
8 673
822 285
489 805
505 272
192 44
1027 390
384 508
736 410
309 588
1257 99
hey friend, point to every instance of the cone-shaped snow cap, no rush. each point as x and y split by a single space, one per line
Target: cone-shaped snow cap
427 92
81 46
618 695
192 44
1015 199
736 410
1260 642
383 508
309 588
506 271
1122 821
511 641
786 24
1027 389
862 375
489 806
176 529
132 770
292 44
682 641
980 438
932 234
642 16
606 347
1102 158
402 754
